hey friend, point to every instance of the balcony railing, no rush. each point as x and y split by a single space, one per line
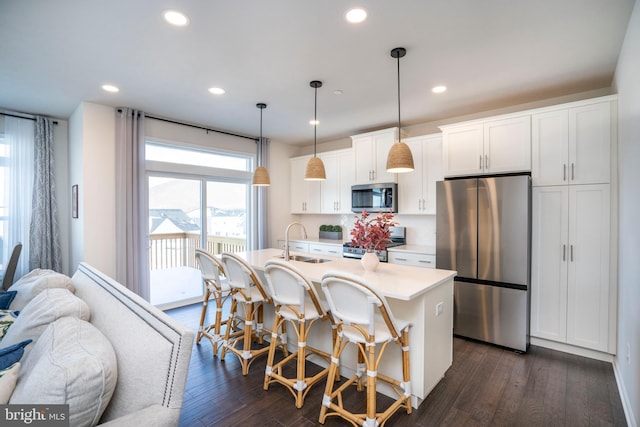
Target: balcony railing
178 249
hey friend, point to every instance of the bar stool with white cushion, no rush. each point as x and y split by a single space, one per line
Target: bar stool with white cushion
298 303
249 293
363 317
217 287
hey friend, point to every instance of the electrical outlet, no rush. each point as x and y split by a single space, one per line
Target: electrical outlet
628 354
439 308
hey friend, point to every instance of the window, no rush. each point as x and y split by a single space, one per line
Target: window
196 198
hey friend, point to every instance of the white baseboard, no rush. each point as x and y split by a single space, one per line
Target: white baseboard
624 397
567 348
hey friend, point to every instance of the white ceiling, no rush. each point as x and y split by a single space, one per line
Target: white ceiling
490 53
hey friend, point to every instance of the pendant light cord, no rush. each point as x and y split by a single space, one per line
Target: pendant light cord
398 97
315 120
260 144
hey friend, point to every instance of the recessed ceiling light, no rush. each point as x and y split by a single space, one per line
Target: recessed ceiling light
176 18
314 122
216 90
355 16
439 89
337 92
110 88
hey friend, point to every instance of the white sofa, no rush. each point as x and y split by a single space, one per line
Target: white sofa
152 351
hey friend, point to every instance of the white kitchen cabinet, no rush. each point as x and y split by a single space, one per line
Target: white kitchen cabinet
570 265
415 259
417 190
370 155
488 147
295 245
331 249
335 194
572 145
305 195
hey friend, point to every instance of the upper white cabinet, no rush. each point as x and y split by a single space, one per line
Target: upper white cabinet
370 152
488 147
336 189
572 145
417 189
305 195
570 283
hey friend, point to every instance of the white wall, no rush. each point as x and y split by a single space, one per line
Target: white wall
627 84
92 168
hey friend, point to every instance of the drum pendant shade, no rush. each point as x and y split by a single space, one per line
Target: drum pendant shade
399 159
261 174
315 168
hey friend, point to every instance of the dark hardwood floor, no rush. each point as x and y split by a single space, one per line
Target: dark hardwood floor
485 386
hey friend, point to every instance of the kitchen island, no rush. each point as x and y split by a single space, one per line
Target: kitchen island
422 296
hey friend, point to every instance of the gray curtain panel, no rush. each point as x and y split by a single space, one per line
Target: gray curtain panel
132 265
44 234
262 201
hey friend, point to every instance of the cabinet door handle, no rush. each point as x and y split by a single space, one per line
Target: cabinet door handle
480 162
564 171
333 252
400 259
424 261
564 252
571 253
573 175
486 161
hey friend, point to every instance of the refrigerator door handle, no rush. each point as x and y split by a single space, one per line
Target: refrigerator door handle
564 252
571 253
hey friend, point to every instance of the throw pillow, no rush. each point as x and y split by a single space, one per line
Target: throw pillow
5 299
7 317
12 354
71 363
34 282
48 306
8 378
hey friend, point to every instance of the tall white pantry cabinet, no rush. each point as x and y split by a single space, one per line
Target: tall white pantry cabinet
573 293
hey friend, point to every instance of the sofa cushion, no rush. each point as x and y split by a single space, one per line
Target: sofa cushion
8 378
12 353
5 299
34 282
71 363
48 306
7 317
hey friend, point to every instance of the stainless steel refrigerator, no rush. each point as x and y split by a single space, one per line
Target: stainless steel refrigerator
483 231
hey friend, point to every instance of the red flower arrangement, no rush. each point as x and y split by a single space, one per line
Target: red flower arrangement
372 234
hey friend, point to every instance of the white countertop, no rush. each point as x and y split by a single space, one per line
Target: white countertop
391 280
316 240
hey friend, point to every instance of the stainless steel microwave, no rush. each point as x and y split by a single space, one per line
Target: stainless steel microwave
375 197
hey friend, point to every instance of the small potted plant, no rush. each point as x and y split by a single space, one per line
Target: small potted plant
373 234
333 232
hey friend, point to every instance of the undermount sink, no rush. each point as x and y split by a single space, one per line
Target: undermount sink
308 259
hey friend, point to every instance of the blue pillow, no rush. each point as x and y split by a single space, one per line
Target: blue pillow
5 299
12 354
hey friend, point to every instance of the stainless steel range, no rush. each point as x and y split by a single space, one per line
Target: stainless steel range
398 238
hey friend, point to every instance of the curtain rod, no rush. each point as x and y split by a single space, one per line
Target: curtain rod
199 127
22 117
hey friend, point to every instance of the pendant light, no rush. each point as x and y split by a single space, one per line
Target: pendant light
315 167
261 175
399 159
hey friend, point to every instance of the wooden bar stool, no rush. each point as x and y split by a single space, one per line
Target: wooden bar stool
248 292
296 302
217 287
364 318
